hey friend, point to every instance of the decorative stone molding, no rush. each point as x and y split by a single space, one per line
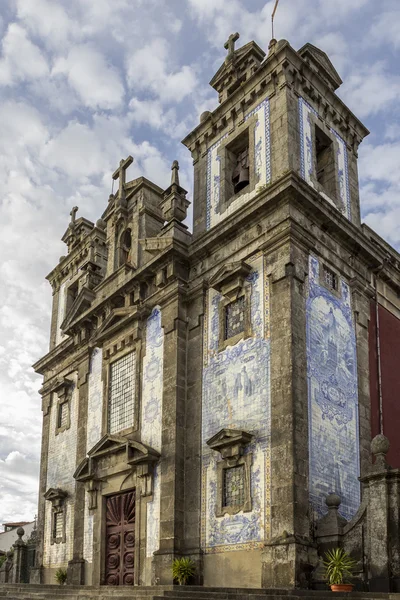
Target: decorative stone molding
138 456
230 443
58 510
229 280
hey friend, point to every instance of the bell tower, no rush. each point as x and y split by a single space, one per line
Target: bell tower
276 216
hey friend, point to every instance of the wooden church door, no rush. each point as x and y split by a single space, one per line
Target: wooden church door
120 539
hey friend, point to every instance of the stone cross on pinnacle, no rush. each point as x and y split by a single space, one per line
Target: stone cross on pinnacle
73 214
230 43
120 174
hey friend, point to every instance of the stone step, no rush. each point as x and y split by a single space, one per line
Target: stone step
55 592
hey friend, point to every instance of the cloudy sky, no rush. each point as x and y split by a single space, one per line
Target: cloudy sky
84 83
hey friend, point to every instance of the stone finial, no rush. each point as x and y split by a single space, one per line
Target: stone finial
101 224
175 173
20 533
272 45
380 447
204 116
333 501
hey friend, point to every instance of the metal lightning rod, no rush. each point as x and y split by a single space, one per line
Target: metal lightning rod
273 15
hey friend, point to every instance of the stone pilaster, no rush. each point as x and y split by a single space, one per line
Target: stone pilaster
289 556
76 575
361 310
172 444
193 434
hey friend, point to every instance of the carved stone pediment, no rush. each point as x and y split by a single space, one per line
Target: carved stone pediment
117 319
136 454
81 305
321 63
230 443
230 278
55 496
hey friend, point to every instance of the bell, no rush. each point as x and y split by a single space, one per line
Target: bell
243 179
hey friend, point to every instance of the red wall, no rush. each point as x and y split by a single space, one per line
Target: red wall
389 330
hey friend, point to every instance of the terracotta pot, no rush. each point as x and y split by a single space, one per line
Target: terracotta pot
342 587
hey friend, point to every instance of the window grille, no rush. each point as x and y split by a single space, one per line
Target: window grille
233 486
121 400
234 317
58 525
330 279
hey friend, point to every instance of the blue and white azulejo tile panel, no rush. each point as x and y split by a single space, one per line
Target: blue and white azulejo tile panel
307 157
95 400
236 395
262 160
151 418
332 396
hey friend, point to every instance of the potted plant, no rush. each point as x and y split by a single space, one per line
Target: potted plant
61 576
183 569
338 566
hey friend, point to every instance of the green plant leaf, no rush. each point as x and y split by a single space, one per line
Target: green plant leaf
183 569
338 565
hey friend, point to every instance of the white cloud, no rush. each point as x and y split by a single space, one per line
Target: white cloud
97 82
386 27
149 69
151 112
21 59
47 20
371 89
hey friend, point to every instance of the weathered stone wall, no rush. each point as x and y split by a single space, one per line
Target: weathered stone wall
61 464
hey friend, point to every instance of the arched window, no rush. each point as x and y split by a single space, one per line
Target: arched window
125 247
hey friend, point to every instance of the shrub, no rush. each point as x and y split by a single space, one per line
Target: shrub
183 569
61 576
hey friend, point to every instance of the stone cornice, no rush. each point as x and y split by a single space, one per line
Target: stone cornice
292 190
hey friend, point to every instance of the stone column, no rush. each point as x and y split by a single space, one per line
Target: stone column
76 566
19 573
172 441
289 556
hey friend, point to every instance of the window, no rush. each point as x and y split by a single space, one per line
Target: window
233 486
237 165
121 399
63 415
235 318
125 250
325 161
330 279
72 294
58 525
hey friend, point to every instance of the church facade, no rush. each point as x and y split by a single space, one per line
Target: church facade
205 392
